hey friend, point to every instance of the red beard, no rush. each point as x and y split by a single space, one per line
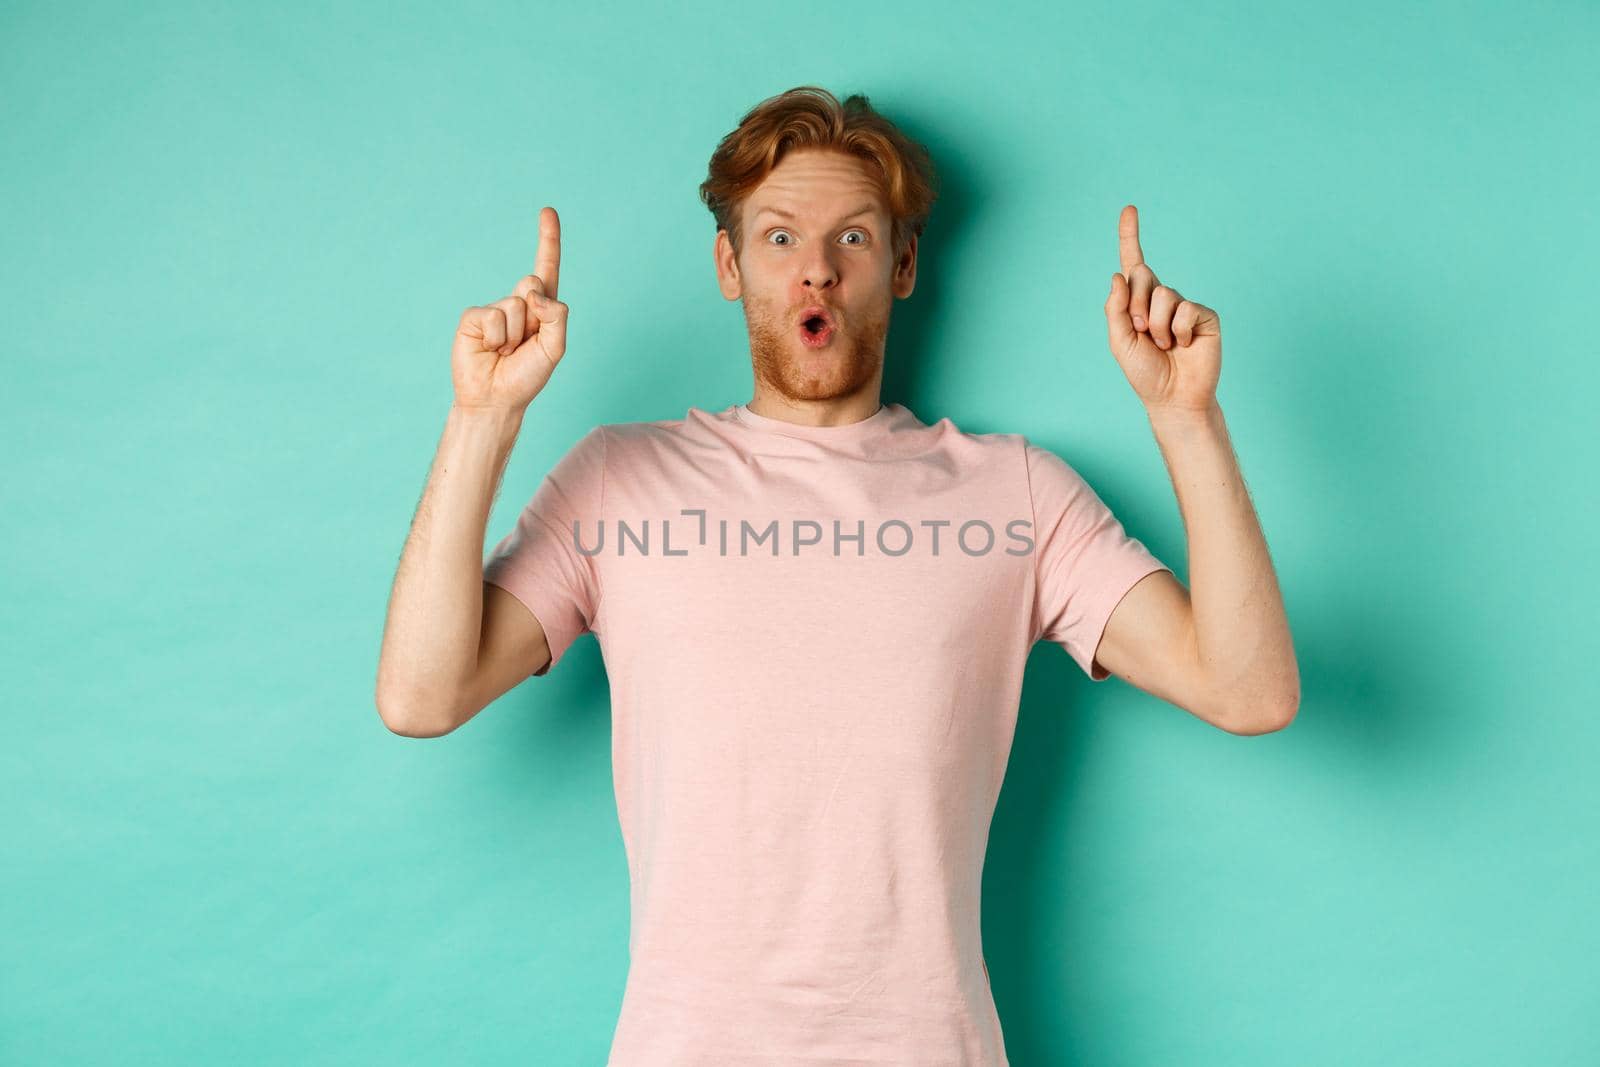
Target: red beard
842 367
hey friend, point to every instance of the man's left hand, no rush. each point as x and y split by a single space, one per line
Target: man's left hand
1170 348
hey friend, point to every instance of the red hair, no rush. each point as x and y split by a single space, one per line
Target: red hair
810 117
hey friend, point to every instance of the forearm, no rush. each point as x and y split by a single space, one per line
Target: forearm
1241 632
431 634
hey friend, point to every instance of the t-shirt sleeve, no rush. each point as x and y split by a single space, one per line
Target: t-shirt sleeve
540 563
1084 561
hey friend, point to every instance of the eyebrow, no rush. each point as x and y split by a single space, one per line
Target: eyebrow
864 209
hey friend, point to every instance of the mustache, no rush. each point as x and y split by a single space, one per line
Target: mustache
758 306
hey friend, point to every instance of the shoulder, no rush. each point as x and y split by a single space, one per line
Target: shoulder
642 430
1039 465
1053 484
623 442
990 446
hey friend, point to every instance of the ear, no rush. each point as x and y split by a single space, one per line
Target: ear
905 270
727 267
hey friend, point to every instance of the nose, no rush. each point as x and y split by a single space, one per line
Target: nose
819 272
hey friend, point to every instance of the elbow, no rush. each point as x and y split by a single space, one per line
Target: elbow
409 719
1256 705
1267 716
1266 722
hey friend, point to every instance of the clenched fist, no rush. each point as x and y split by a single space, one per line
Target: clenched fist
505 352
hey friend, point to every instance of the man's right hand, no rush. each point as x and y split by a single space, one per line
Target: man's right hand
505 352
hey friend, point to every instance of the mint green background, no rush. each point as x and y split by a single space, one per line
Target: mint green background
236 246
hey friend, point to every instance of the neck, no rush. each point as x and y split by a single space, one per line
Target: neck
835 411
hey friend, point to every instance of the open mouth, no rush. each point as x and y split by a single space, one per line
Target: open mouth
816 327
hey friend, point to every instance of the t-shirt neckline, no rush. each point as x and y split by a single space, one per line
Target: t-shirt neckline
861 429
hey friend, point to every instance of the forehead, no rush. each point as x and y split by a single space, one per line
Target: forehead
817 182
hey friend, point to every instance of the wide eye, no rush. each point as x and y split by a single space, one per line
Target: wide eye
863 234
776 232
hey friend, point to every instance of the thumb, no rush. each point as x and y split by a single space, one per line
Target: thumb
552 316
1119 324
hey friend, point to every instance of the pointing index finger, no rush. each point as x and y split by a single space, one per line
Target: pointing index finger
1128 239
547 261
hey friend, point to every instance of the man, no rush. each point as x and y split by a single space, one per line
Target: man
815 609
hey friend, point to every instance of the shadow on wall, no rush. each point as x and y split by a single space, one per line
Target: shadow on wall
918 321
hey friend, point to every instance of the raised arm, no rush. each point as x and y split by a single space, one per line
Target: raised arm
1223 651
449 647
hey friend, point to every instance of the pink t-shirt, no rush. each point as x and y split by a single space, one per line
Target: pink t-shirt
815 639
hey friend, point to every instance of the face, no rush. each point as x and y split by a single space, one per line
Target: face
816 238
